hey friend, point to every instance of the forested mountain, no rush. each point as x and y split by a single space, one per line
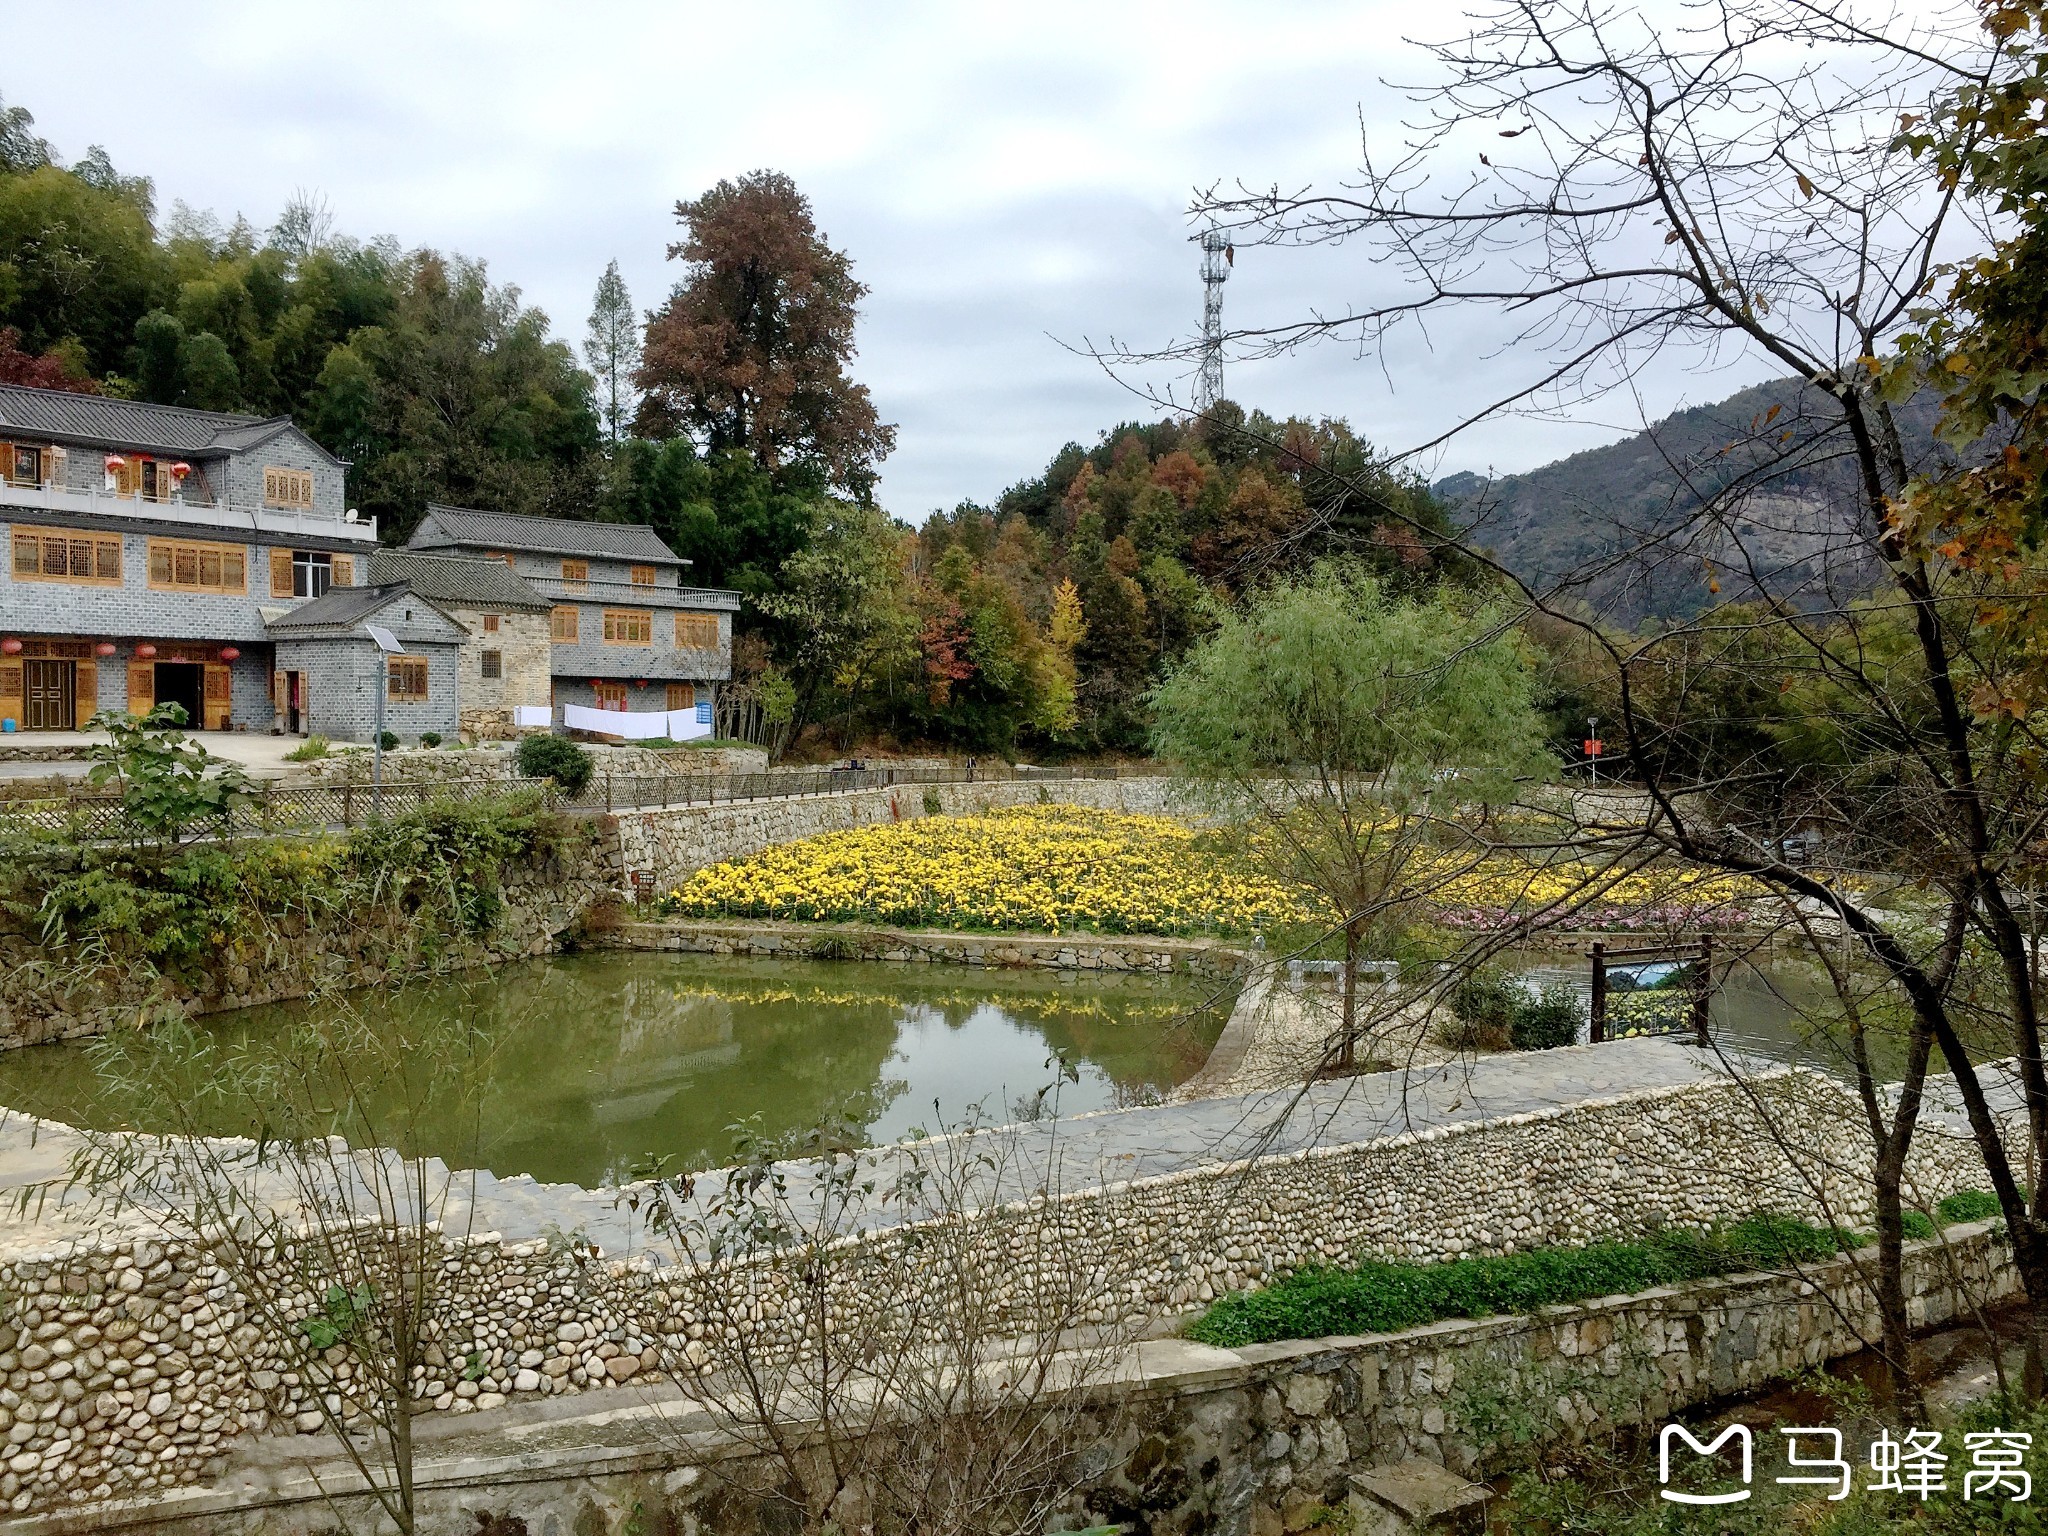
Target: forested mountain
1550 522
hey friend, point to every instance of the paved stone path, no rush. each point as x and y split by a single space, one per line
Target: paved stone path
1068 1154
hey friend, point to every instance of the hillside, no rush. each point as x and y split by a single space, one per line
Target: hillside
1608 502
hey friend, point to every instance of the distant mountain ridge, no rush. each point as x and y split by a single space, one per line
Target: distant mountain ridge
1549 522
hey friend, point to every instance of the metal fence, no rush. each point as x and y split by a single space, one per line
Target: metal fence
93 815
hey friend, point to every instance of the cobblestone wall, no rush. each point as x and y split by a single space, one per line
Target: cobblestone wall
522 1314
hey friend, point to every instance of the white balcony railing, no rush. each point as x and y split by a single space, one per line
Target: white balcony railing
190 509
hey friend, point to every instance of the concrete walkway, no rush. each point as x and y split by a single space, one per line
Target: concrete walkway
1065 1155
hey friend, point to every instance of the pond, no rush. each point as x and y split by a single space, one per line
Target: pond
593 1064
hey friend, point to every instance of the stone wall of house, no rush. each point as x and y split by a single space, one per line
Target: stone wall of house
857 941
671 844
519 1321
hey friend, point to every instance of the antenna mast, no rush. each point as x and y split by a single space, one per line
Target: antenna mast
1217 260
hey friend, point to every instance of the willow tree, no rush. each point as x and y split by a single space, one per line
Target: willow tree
1346 733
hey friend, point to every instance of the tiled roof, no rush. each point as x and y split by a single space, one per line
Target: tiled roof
470 529
340 607
469 582
99 419
224 533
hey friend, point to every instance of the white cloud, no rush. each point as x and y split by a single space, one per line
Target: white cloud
1007 178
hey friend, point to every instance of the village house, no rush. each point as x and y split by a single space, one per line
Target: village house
157 554
627 636
147 549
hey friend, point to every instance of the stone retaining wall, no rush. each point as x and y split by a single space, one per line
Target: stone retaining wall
674 843
994 951
1154 1247
1245 1442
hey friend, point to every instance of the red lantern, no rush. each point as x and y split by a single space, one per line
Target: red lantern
595 683
11 646
145 650
639 682
114 462
180 470
229 653
104 648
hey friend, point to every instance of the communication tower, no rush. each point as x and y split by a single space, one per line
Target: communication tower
1217 260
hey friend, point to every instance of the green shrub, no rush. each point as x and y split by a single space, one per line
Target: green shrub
1382 1298
1967 1205
388 741
1483 1004
1915 1226
430 738
933 805
311 750
557 758
1545 1019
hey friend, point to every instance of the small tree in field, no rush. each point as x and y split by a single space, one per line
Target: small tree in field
1345 732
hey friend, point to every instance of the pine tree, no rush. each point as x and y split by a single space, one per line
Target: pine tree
613 350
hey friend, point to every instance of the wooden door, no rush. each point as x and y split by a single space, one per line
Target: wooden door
52 700
86 681
141 688
220 696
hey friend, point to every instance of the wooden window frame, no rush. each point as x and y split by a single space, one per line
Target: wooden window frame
609 694
282 485
628 626
184 554
400 673
98 545
691 627
682 696
10 465
641 575
576 574
491 664
490 623
556 615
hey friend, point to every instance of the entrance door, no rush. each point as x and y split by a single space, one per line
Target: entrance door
183 682
52 702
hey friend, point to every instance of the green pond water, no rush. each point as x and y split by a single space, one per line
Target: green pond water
589 1065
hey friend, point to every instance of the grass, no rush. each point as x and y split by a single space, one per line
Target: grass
311 750
1384 1298
700 744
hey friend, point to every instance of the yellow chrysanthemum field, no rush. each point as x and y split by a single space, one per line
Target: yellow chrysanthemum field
1058 868
1041 869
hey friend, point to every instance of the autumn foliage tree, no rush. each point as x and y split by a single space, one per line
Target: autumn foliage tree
752 348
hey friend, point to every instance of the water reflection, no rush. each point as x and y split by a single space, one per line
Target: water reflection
597 1062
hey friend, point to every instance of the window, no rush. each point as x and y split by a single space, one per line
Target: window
88 558
628 626
643 575
493 663
682 695
697 631
407 678
312 573
291 488
24 465
576 572
562 625
610 695
196 567
490 623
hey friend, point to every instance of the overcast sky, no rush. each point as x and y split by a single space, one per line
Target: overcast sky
1011 181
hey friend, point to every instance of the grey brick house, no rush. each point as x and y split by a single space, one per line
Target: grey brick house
327 641
148 546
626 633
503 662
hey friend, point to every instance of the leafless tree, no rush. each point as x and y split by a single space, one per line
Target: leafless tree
1610 193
